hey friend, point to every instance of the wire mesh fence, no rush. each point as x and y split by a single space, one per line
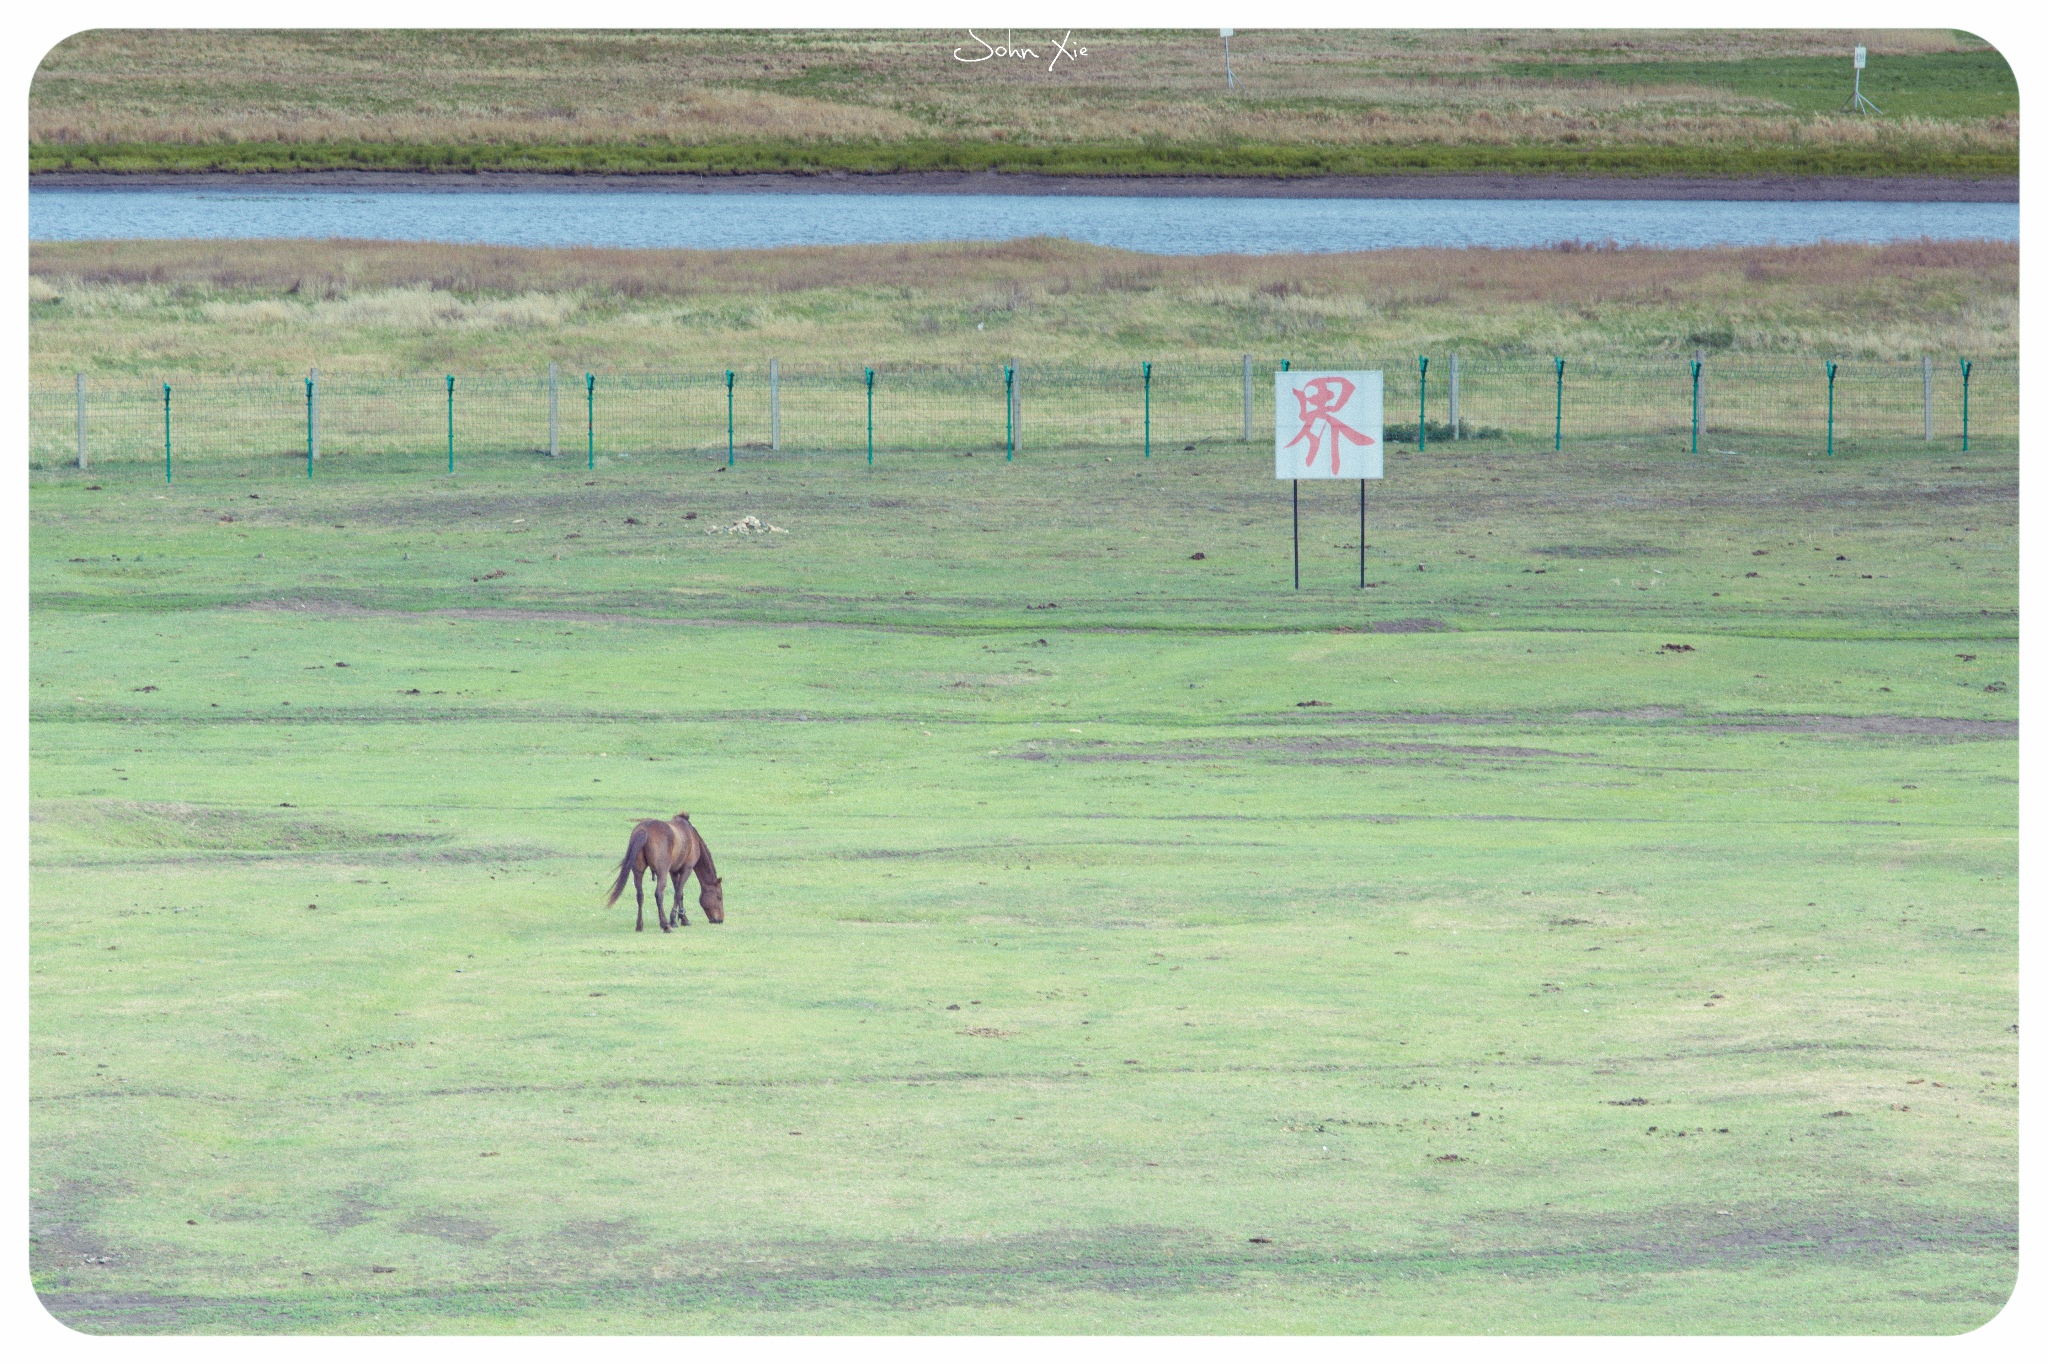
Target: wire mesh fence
1744 405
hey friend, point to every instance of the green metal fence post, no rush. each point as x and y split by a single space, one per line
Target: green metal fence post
1695 406
309 426
1557 437
871 416
1009 412
451 424
167 433
1966 404
1831 407
1148 409
1422 410
590 421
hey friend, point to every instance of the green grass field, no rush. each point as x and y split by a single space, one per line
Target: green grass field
1117 941
1967 84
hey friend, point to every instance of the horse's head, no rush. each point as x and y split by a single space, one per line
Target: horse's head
711 896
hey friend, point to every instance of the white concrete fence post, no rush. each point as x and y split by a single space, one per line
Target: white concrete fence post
1454 397
1247 400
774 404
81 420
1927 397
554 410
313 414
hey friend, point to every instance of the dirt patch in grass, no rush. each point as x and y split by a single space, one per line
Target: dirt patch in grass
1925 727
102 1313
352 1212
483 853
1684 1238
1603 551
150 825
316 606
1934 727
1146 1262
62 1243
449 1228
1331 750
603 1232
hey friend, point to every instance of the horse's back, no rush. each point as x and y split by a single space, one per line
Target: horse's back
689 846
672 845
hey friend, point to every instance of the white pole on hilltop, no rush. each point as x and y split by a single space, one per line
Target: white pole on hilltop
1454 397
554 410
774 404
1247 399
81 419
1927 397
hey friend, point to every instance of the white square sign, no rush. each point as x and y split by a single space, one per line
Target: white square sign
1326 424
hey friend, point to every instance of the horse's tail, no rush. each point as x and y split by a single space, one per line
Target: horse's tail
633 848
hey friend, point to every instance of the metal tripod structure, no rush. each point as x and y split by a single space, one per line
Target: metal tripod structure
1858 104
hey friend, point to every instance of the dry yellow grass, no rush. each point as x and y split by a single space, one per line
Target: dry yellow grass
1358 87
278 306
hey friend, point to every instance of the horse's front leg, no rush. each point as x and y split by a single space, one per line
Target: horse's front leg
639 904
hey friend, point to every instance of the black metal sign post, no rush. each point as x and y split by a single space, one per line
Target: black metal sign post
1327 399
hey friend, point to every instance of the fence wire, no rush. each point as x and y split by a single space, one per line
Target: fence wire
1746 405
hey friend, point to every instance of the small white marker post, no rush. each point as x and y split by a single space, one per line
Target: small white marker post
1857 104
1327 424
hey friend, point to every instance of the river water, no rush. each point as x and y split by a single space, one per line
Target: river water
1149 224
1166 226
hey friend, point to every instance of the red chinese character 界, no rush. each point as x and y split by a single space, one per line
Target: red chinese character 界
1320 402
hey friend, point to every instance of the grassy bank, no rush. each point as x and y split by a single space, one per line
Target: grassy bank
1190 955
197 307
1702 103
1257 160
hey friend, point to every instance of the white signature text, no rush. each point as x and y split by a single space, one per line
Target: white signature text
1028 54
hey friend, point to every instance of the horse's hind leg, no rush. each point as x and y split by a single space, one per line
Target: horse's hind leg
660 885
639 904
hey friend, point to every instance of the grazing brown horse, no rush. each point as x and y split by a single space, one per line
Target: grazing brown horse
671 850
